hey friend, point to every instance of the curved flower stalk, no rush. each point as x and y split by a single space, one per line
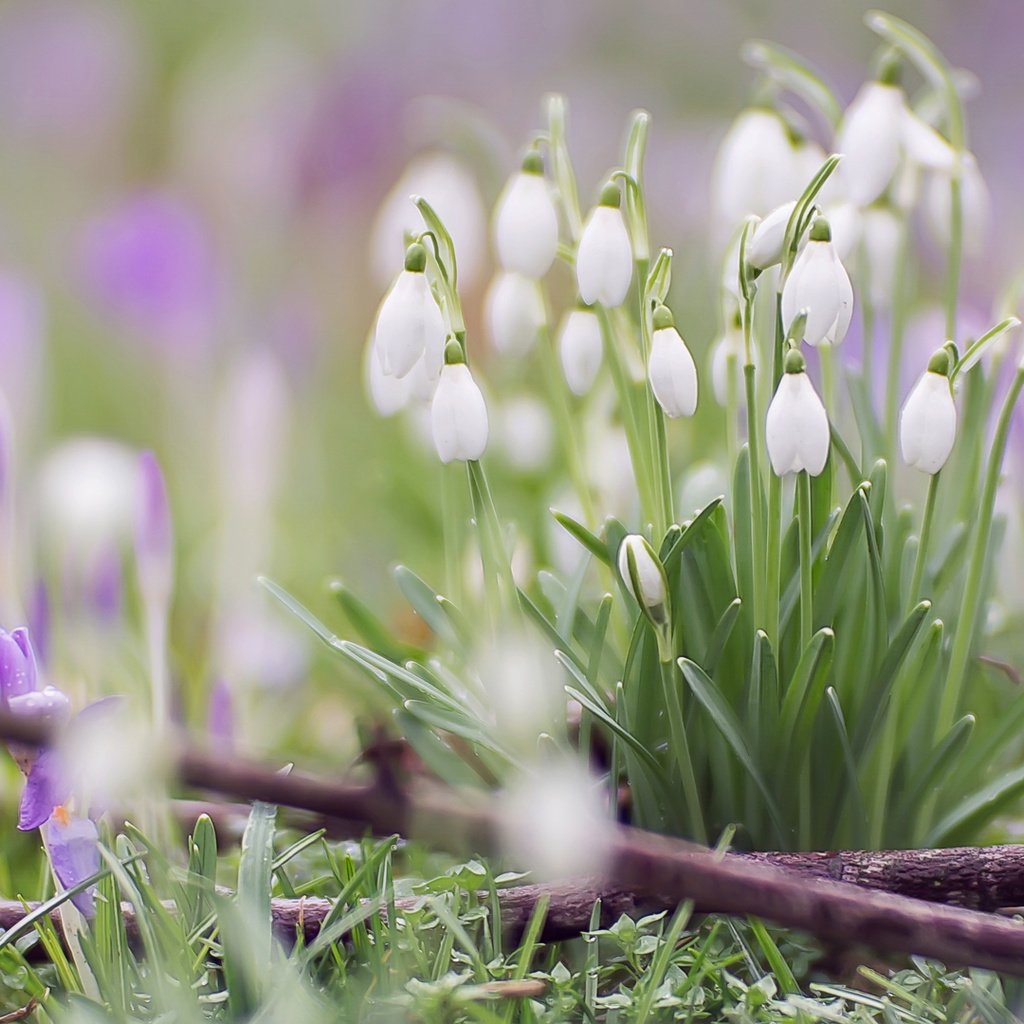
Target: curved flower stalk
604 258
796 429
580 349
514 312
526 221
818 282
928 418
670 368
458 413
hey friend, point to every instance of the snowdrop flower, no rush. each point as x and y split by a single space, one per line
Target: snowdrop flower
580 348
409 321
764 246
458 414
844 219
604 258
975 206
928 418
882 232
728 346
525 433
796 429
644 576
819 283
526 221
670 368
388 395
878 130
514 312
755 169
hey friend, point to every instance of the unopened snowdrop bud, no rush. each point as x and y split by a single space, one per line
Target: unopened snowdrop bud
819 283
670 368
514 312
458 414
882 232
870 139
644 575
408 321
764 248
928 419
726 351
580 349
796 429
604 258
526 221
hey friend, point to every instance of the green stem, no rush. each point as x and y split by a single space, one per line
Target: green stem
757 532
731 411
922 545
828 379
681 749
452 532
773 565
970 604
803 490
956 230
896 326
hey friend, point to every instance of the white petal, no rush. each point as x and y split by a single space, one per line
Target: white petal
870 139
764 247
837 332
604 258
526 225
514 312
729 345
387 394
649 576
672 373
928 423
407 322
845 221
883 234
796 428
814 284
580 349
924 146
458 416
975 206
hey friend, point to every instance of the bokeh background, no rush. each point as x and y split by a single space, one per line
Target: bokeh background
187 195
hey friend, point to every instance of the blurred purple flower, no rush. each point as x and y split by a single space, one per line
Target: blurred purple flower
73 846
39 619
17 665
45 790
149 264
105 588
154 543
22 334
220 716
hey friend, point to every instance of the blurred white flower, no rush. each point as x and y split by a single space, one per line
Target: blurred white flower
643 574
447 184
844 218
604 257
796 428
409 321
764 245
526 221
580 349
670 368
928 419
975 206
458 415
554 821
514 312
525 433
727 347
701 483
387 394
882 234
609 466
818 282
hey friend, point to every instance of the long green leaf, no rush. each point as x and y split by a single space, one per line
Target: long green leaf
975 811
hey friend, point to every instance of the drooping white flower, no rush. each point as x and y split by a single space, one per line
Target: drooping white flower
450 188
514 312
796 429
670 368
526 221
844 219
756 169
604 257
458 415
975 206
388 395
728 348
643 575
818 282
882 234
525 433
764 246
928 418
580 349
409 321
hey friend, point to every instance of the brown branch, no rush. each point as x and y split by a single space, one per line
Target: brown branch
666 869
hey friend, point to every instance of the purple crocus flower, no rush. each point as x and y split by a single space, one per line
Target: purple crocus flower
73 845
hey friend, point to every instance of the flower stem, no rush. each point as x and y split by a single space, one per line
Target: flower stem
681 749
922 545
896 326
773 564
953 259
757 533
803 490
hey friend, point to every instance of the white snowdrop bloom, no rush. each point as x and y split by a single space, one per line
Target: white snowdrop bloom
450 188
796 428
608 464
604 257
458 415
882 233
928 418
730 280
764 244
670 368
924 146
818 282
975 206
754 169
643 574
580 349
555 822
388 395
514 312
844 219
728 347
408 321
526 221
701 484
525 433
